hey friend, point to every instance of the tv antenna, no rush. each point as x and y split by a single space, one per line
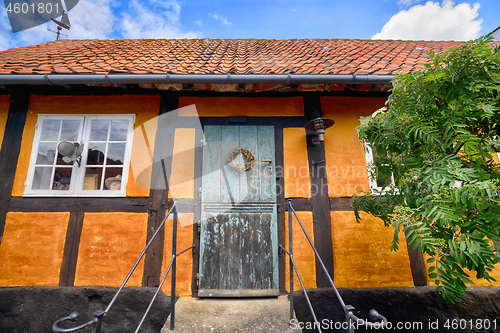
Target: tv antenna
64 23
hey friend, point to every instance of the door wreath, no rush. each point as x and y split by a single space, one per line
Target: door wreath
248 158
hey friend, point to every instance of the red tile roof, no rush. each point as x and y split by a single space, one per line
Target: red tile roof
221 56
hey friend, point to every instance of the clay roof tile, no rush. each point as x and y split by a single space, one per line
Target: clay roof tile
206 56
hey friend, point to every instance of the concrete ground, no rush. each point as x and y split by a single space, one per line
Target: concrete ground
223 315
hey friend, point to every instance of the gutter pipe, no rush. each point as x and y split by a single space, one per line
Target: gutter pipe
60 79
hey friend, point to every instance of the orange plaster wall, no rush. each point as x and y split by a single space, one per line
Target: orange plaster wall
144 107
303 254
362 254
345 157
32 248
244 106
181 182
109 246
4 113
296 173
184 261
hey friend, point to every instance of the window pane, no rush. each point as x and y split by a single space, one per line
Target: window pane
96 153
93 177
46 153
99 130
69 131
116 154
41 179
60 160
62 179
50 130
384 180
113 179
118 130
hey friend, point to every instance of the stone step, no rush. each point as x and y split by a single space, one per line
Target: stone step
223 315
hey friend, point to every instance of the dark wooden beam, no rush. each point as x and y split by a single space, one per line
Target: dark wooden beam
159 204
300 204
71 246
320 203
9 152
280 199
341 204
196 206
59 204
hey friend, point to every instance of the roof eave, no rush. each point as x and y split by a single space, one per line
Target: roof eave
58 79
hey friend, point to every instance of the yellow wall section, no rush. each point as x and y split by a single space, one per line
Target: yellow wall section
109 246
243 106
184 261
296 173
4 113
303 254
345 157
141 161
362 254
32 248
181 182
144 107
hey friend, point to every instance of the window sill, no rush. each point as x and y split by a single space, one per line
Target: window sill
90 195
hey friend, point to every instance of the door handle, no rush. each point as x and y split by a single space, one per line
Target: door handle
268 161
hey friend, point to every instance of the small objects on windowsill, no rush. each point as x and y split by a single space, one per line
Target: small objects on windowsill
114 183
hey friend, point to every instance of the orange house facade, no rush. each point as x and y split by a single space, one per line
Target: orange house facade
214 125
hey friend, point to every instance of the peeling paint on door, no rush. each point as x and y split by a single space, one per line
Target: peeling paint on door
238 245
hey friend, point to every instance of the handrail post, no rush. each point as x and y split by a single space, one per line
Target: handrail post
348 312
174 257
290 249
99 315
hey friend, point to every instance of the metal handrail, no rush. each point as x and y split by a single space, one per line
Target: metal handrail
348 309
99 315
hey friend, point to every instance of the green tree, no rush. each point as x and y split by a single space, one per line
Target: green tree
437 137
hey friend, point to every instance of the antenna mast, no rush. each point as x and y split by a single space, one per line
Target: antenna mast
64 23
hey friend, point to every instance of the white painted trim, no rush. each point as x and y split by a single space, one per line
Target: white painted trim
374 188
78 172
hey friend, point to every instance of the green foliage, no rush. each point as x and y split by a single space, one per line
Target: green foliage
438 133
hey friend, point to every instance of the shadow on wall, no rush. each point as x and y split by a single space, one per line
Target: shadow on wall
35 309
419 309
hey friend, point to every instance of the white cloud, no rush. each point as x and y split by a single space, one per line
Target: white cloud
433 21
408 2
199 23
100 19
91 19
222 19
159 20
35 35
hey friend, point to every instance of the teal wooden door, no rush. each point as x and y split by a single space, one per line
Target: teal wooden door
238 236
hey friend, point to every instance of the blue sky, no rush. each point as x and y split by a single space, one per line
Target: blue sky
260 19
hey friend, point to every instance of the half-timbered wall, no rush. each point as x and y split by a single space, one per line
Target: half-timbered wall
4 112
95 241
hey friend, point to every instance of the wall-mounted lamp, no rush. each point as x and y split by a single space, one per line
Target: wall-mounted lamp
319 125
70 151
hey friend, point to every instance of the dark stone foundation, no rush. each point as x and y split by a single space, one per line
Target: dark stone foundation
407 306
35 309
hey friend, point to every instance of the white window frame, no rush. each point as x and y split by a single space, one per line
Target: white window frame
78 171
372 181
